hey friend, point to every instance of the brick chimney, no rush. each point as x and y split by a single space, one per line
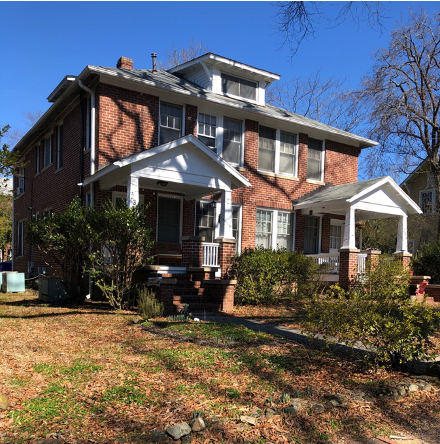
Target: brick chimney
124 63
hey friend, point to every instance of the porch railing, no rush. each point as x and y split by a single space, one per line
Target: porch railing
210 254
328 261
362 258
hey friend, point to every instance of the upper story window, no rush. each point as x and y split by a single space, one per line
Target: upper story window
236 86
427 201
20 181
266 149
232 140
207 130
288 153
170 122
47 151
88 124
60 143
37 159
315 160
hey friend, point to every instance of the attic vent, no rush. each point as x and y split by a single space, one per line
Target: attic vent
124 63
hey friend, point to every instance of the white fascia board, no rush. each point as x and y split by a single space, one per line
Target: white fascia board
218 100
99 174
397 189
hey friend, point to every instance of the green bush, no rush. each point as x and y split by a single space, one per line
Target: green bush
148 306
263 275
427 263
380 315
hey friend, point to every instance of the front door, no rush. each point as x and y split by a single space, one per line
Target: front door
168 220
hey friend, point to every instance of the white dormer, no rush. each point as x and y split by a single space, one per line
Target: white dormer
227 77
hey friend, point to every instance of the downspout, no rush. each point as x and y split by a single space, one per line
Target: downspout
92 126
92 156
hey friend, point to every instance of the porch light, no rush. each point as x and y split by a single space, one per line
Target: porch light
162 183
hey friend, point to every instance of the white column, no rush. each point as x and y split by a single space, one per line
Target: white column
132 191
226 215
349 241
402 234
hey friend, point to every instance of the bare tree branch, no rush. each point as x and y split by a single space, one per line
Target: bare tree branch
176 56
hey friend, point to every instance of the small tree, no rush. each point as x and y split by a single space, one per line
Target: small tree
5 221
63 239
121 245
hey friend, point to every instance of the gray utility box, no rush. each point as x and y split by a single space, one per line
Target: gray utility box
51 289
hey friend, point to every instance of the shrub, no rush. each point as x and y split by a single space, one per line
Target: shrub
379 315
148 305
428 262
264 275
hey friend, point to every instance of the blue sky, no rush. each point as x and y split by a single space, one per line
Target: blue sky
43 41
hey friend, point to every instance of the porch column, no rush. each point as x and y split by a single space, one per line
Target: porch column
226 215
349 242
132 191
402 234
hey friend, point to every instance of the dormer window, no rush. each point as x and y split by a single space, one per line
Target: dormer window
236 86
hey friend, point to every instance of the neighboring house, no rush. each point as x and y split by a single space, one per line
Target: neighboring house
220 168
419 185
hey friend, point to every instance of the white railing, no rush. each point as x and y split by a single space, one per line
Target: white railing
210 254
362 258
328 261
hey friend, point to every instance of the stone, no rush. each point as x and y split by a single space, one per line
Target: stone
178 430
48 441
332 403
270 413
4 402
412 388
338 397
295 407
248 419
186 439
318 407
401 390
395 395
424 386
158 436
197 424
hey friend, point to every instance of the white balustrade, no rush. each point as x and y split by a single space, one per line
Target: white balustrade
362 258
328 261
210 254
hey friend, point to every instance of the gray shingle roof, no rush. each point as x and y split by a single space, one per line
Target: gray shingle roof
168 80
337 192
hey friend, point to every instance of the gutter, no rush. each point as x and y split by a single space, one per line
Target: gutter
92 125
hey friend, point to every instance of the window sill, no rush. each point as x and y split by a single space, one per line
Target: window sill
46 167
316 182
278 176
38 173
87 151
58 170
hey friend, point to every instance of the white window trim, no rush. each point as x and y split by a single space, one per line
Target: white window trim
322 163
243 134
257 87
339 222
275 212
434 199
218 130
170 196
182 130
278 154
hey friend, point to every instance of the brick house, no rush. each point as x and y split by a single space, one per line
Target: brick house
220 168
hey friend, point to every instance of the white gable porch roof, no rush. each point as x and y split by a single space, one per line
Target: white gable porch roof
186 165
372 199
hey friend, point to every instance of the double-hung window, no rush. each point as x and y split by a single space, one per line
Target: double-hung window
311 234
315 160
170 122
427 201
232 140
266 149
20 181
37 159
47 151
60 142
335 237
274 229
207 130
206 220
236 86
288 153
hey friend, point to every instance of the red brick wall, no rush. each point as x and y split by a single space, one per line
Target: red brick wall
191 120
51 188
128 122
